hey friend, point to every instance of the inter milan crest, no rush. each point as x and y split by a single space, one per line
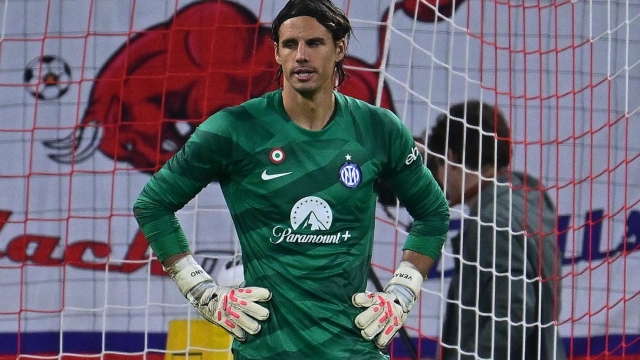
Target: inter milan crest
350 174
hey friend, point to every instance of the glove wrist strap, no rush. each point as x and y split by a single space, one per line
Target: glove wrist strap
408 276
187 274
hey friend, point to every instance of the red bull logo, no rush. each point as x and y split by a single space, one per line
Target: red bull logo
151 94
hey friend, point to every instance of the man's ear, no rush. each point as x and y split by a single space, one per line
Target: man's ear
341 49
275 52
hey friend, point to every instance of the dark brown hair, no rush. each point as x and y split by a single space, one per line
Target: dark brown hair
326 13
475 129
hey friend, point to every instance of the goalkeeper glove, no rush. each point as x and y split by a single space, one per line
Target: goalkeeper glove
232 308
386 311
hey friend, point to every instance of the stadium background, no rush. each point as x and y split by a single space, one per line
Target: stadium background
94 96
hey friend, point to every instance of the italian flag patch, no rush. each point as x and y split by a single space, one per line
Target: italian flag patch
276 155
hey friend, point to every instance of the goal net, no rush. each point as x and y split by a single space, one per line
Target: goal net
96 95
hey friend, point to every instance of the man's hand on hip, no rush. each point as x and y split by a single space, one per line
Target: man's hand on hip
386 311
235 309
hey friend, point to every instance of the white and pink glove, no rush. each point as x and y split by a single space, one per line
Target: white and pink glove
235 309
386 311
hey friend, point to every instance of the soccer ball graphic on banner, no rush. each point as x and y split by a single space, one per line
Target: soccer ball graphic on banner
47 77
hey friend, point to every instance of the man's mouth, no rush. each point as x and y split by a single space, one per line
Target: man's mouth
303 74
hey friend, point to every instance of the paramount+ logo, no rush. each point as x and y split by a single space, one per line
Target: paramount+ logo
310 214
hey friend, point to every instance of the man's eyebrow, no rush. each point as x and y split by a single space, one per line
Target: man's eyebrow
288 41
316 39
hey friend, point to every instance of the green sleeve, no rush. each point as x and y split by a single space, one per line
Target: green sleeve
428 206
200 161
418 191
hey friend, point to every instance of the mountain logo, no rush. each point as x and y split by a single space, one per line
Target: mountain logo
311 214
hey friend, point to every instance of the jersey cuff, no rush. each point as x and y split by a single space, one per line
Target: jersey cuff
430 246
163 250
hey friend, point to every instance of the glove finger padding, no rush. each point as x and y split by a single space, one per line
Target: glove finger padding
234 309
241 310
223 318
387 334
386 311
245 298
208 310
367 317
230 309
384 315
363 299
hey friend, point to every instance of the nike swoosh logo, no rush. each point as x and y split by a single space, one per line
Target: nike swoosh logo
266 176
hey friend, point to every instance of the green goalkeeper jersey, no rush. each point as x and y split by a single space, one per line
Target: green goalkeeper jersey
303 204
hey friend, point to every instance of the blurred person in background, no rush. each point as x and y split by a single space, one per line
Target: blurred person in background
504 296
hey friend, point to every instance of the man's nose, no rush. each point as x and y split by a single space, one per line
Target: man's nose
301 54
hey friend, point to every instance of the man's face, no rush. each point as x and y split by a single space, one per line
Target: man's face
308 54
451 176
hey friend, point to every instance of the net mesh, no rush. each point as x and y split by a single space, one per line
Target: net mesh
96 95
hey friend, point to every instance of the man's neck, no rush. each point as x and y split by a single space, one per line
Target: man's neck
310 112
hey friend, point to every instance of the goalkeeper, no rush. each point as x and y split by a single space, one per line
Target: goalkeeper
298 169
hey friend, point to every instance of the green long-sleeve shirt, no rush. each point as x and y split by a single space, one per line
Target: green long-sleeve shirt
303 204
